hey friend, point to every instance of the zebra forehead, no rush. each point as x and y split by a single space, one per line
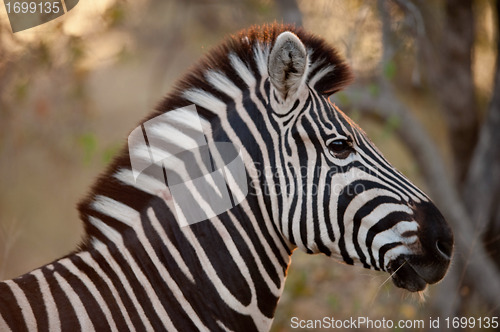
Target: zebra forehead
332 120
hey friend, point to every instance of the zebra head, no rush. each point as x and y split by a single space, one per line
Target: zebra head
315 174
342 197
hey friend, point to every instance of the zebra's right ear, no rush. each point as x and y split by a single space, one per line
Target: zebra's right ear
287 64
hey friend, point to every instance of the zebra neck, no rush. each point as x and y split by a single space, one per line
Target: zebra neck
237 260
156 276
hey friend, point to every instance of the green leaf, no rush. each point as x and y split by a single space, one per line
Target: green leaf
355 114
333 302
110 152
21 90
116 15
393 122
390 70
374 89
391 125
88 142
298 285
342 98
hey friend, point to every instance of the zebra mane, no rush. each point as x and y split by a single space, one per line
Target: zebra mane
327 69
327 74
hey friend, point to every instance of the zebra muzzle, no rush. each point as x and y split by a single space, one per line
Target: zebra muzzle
430 263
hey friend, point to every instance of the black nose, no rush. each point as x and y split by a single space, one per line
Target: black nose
429 262
435 234
436 238
445 248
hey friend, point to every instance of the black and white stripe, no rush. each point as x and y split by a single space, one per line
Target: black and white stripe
315 182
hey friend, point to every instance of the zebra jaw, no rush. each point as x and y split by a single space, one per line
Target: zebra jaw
404 275
413 277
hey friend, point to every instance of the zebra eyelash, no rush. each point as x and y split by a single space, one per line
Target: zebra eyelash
340 147
337 138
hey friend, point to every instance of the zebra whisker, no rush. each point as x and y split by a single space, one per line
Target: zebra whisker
386 280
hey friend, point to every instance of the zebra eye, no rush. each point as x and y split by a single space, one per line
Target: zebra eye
340 148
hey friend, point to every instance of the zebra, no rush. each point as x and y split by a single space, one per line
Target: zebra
314 181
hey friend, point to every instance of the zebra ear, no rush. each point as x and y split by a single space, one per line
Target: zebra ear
287 64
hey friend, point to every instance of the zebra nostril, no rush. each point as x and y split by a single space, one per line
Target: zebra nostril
444 248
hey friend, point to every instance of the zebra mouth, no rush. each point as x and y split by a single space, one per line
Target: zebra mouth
405 276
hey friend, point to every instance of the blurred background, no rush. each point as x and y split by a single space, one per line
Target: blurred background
426 92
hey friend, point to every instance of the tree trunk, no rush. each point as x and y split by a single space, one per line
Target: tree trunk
482 186
446 50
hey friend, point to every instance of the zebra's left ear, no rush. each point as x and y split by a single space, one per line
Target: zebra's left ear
287 64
